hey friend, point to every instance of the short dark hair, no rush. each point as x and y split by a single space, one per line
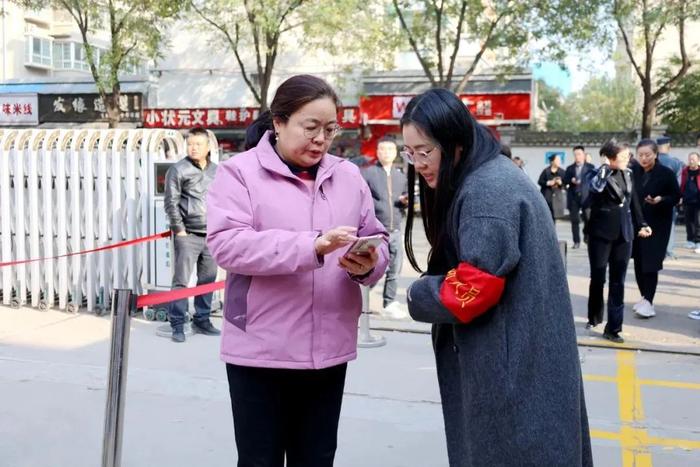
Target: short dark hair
612 148
506 151
198 130
386 139
578 146
649 142
552 157
291 95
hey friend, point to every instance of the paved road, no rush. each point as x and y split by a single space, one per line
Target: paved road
644 407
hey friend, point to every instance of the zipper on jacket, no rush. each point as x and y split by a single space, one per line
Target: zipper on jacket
391 197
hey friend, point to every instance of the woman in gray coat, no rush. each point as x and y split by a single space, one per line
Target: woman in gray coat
496 293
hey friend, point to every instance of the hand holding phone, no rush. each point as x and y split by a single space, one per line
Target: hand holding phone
363 244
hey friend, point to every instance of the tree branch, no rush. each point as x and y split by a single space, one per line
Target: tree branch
234 47
438 39
453 57
414 45
484 45
685 60
628 46
256 36
120 25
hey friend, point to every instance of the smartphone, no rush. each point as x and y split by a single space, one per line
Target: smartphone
363 244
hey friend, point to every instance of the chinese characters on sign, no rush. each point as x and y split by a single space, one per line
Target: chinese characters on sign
348 117
19 109
87 107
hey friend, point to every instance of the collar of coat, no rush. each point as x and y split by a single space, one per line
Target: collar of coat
269 160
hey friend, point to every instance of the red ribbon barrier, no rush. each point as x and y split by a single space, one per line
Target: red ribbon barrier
135 241
159 298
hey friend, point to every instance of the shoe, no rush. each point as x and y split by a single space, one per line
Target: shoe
178 335
394 310
695 314
639 304
576 246
205 327
590 326
616 338
691 245
645 310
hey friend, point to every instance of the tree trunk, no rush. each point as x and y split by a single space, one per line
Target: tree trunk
264 90
648 111
113 111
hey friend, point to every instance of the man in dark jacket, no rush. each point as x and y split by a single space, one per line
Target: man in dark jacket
690 190
389 193
573 176
551 182
186 185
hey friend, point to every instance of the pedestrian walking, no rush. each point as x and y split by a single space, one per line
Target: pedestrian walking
573 177
495 291
390 195
690 197
616 215
280 219
676 166
186 186
658 192
551 184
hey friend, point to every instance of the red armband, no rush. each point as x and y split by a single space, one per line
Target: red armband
469 292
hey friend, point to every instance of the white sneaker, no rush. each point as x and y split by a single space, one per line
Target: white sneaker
639 304
695 314
691 245
646 310
394 310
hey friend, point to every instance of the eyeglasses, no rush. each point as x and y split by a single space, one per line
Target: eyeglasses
329 132
422 157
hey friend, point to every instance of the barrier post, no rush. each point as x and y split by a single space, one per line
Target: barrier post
116 383
366 339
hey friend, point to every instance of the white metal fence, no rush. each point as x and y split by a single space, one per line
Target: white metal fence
65 191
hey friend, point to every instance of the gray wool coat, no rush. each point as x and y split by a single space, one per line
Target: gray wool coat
510 381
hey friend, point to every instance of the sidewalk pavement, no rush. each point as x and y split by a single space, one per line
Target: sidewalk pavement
671 330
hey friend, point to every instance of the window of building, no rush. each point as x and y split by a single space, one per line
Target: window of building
63 55
80 61
38 52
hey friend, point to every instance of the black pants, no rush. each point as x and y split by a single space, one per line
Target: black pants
576 214
602 253
191 250
278 412
692 222
646 281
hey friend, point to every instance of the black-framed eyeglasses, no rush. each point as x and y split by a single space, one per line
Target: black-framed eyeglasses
422 157
329 132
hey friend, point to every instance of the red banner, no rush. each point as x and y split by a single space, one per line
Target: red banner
489 108
240 117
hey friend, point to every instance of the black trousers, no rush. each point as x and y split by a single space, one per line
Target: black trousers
280 412
692 222
576 215
646 281
602 253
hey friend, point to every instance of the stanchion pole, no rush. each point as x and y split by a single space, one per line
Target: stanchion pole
366 339
116 384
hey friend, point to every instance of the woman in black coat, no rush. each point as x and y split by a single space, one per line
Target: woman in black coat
658 191
551 184
616 216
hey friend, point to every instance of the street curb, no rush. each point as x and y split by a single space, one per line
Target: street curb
580 341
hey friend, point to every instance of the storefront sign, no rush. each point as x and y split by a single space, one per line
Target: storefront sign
19 109
79 108
241 117
491 109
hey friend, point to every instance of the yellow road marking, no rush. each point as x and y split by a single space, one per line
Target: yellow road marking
633 437
634 440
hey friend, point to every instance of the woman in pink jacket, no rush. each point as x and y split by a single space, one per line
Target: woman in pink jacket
280 218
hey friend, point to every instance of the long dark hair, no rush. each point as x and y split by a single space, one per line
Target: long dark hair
442 117
291 95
